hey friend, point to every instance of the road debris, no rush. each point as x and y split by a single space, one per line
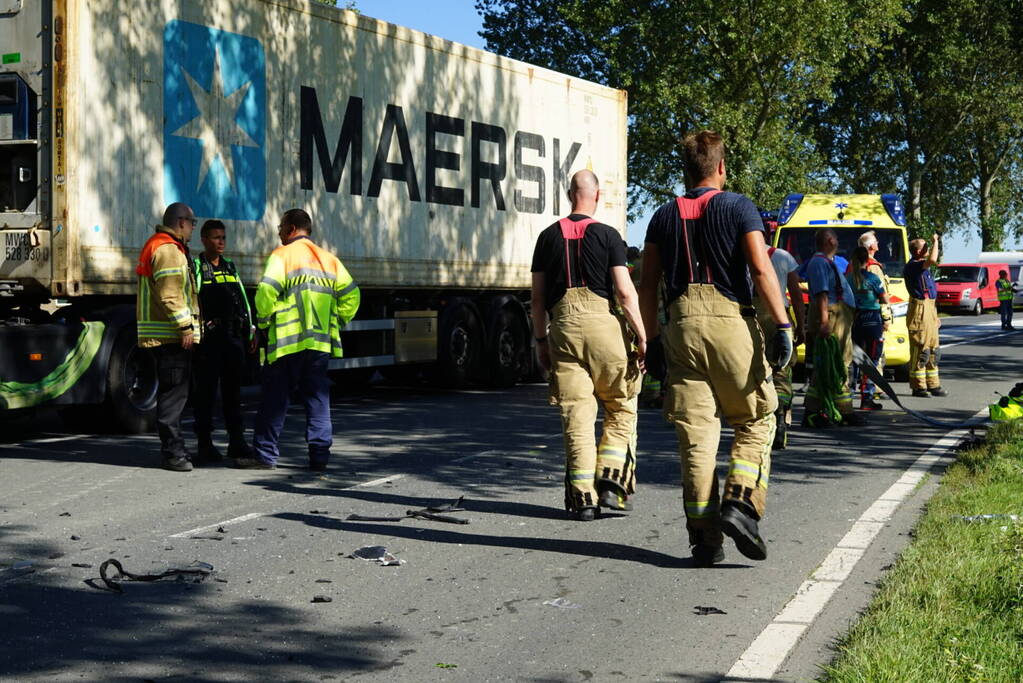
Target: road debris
193 573
973 519
322 598
563 603
432 513
704 611
377 553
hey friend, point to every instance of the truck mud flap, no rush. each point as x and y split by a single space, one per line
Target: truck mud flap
62 379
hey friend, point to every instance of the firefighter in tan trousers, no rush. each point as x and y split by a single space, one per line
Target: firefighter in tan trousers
922 320
706 245
579 265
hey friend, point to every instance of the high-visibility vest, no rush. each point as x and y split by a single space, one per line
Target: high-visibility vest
1004 288
304 299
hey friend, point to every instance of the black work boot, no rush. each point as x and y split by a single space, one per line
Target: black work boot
938 391
612 497
207 452
178 463
705 554
237 449
739 522
586 514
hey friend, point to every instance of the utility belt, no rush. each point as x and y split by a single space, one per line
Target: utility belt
233 327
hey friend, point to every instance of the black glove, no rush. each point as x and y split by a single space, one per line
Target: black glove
656 365
782 348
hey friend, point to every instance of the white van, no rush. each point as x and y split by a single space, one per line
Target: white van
1015 261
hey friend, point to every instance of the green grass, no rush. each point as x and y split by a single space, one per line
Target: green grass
952 607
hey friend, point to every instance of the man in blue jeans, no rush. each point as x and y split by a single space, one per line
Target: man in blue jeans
304 299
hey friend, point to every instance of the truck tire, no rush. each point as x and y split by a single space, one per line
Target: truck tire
978 307
508 348
459 346
131 385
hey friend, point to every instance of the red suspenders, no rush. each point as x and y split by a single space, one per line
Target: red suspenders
692 210
574 231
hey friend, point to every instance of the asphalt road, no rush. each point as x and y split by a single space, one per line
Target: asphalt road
520 593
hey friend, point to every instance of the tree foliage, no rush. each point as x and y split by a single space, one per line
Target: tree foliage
920 97
746 68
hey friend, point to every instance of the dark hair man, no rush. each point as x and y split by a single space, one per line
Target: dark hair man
228 335
304 299
706 245
922 319
578 264
167 313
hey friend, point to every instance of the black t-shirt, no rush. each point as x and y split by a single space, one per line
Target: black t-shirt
716 237
589 260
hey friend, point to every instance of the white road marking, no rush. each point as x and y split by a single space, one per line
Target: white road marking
976 339
226 522
769 650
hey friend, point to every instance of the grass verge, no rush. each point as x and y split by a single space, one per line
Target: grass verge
952 607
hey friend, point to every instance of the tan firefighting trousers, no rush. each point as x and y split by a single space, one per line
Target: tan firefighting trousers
590 362
782 377
924 347
840 317
716 366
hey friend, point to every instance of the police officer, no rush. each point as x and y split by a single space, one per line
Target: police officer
922 319
832 305
228 335
706 245
304 299
578 264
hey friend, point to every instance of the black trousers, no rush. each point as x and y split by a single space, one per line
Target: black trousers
173 364
219 362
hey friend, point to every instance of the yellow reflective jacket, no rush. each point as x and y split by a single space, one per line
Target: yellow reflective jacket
167 305
304 299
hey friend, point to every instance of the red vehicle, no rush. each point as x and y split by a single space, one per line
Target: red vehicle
968 286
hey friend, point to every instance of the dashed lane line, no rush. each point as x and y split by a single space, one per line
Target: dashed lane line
769 650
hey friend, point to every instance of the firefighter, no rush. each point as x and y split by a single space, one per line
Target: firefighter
167 312
1006 289
578 264
785 269
228 336
706 245
828 399
922 319
303 300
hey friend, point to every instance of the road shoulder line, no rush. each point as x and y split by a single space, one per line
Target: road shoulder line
771 648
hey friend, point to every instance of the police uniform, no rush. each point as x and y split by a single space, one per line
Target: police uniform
220 358
715 355
303 300
590 358
922 324
823 277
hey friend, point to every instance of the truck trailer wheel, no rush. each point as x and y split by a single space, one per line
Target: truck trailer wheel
131 385
509 348
459 346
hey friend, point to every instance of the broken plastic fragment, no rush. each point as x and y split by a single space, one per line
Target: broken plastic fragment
704 611
563 603
987 517
322 598
377 553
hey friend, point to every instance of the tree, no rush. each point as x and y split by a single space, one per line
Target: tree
746 68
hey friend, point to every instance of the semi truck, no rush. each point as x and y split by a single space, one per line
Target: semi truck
429 168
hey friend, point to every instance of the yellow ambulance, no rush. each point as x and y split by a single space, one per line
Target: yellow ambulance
851 215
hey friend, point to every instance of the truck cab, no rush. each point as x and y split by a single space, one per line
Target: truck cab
801 216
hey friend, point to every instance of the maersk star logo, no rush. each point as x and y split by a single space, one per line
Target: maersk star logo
841 205
214 121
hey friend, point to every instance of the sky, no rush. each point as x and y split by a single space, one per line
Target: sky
458 20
